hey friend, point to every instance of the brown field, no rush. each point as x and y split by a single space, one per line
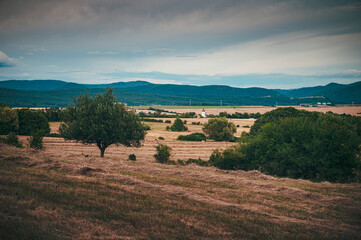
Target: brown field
353 110
68 192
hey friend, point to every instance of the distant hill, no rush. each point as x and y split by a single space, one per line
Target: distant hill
61 98
48 85
46 93
337 93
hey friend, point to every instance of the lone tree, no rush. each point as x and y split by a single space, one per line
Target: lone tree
102 121
219 129
178 126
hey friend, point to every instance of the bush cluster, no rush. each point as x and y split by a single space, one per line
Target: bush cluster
36 140
291 143
12 139
192 137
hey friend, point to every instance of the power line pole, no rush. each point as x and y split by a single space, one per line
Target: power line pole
190 102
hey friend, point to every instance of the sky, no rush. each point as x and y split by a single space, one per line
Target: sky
272 43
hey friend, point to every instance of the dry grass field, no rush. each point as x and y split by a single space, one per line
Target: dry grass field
348 109
68 192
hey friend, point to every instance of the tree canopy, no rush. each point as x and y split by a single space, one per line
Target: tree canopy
101 120
178 126
219 129
8 120
32 121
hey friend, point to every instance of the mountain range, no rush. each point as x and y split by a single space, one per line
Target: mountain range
49 93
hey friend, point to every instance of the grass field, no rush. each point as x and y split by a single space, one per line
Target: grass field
348 109
68 192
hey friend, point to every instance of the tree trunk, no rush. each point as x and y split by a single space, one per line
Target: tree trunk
102 150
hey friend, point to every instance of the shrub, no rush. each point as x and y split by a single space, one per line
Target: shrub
132 157
237 126
167 128
32 121
12 139
230 158
163 153
246 126
192 137
146 127
36 140
161 138
178 126
219 129
168 121
185 121
194 123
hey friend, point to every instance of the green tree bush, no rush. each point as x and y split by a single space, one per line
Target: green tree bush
32 121
192 137
102 121
219 129
178 126
12 139
36 140
305 145
132 157
163 153
8 120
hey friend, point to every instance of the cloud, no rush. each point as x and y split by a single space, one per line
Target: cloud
5 61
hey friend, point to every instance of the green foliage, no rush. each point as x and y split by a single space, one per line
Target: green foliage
192 137
280 113
198 162
36 140
132 157
168 121
230 158
300 144
53 114
8 120
219 129
57 135
178 126
161 138
163 153
102 121
12 139
32 121
146 127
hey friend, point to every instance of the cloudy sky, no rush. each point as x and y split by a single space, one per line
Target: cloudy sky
274 44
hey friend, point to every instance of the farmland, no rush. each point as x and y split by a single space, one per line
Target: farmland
347 109
67 191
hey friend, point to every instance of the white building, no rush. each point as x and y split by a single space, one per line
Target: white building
203 114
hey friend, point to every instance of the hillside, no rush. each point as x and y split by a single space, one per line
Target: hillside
61 98
337 93
47 93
